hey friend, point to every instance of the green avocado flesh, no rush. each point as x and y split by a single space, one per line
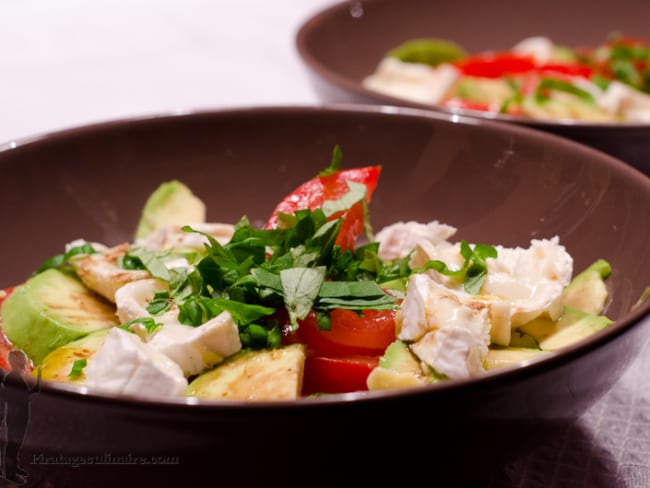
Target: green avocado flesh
172 203
57 365
398 368
274 374
587 291
427 51
52 309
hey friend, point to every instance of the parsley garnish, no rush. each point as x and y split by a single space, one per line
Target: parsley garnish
60 261
149 324
77 368
474 270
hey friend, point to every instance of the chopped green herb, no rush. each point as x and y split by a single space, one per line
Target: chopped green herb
474 270
148 323
60 261
335 164
160 303
548 84
77 368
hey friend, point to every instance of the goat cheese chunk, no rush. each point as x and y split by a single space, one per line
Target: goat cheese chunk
412 81
447 329
133 298
619 98
195 349
532 279
124 364
539 47
399 239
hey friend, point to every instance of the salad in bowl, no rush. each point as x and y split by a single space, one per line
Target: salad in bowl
314 302
537 78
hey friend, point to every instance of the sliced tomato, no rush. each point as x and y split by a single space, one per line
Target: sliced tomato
314 192
495 65
350 333
569 69
337 375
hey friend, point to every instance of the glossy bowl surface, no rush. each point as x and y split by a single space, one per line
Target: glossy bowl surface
496 182
343 44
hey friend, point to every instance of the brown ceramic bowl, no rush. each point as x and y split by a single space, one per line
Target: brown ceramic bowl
343 44
496 182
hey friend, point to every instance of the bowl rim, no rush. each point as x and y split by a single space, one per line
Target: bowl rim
301 42
636 317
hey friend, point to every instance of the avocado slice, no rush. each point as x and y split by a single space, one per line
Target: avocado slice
573 326
398 368
427 51
57 365
503 357
266 374
51 309
172 203
587 291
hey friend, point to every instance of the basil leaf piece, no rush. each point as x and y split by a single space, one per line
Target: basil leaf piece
61 260
356 194
151 261
77 368
160 303
474 270
149 324
301 286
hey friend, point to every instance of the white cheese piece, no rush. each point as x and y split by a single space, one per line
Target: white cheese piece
125 364
412 81
172 237
631 104
399 239
532 279
447 329
539 47
195 349
133 298
452 351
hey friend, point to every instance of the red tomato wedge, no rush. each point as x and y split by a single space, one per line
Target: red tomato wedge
351 334
495 65
337 375
339 360
314 192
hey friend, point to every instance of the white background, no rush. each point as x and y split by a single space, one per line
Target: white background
65 63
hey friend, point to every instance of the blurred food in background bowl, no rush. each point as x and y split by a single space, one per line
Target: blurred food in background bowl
497 184
498 61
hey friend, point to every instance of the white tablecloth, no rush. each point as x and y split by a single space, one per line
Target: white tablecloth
65 63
